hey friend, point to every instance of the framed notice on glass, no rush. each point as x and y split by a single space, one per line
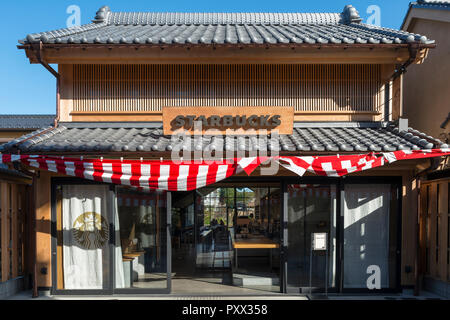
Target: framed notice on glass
319 241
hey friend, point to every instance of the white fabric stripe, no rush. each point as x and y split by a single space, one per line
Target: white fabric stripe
346 164
328 168
390 156
351 169
221 172
126 174
163 180
182 178
292 167
145 176
201 177
70 168
51 166
308 160
15 157
245 162
367 166
107 172
34 163
88 171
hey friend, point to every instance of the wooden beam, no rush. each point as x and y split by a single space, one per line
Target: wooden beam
222 55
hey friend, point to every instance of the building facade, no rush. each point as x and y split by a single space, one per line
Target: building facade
426 88
320 87
15 214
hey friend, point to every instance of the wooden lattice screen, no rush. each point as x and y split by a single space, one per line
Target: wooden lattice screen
106 88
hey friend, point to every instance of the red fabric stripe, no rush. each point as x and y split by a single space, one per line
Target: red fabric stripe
173 178
135 174
98 171
154 176
192 177
117 172
211 177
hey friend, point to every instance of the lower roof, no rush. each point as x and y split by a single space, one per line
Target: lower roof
128 138
5 172
9 122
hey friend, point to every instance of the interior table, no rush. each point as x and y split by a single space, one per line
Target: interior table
254 243
128 258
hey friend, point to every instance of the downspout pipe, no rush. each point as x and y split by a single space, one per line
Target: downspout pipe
38 50
401 69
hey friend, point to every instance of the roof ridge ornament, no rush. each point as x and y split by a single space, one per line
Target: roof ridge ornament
102 14
351 15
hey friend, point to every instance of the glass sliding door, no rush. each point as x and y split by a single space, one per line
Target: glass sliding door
84 234
370 238
310 209
109 240
142 232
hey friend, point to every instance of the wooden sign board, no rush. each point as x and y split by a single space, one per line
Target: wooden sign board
228 120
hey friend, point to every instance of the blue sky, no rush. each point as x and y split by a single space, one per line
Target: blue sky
26 88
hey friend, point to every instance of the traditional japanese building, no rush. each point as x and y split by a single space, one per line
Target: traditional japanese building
15 213
427 88
194 151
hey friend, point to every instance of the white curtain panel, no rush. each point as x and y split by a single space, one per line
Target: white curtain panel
366 233
86 237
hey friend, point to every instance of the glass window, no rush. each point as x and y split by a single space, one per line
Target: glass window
141 227
311 209
369 236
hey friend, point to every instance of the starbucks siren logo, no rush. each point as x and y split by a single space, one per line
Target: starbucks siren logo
91 230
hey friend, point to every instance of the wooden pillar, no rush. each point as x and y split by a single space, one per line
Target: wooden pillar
59 249
423 216
409 223
443 211
432 207
397 98
14 231
5 225
43 230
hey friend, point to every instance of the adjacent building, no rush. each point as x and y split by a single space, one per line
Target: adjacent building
15 216
311 85
426 105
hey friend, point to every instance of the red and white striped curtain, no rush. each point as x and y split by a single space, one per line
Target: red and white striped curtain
185 176
341 165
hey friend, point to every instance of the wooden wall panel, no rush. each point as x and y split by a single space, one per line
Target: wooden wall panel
139 88
435 207
443 211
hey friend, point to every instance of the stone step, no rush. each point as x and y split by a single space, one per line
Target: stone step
243 280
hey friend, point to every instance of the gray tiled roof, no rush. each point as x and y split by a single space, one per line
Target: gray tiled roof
25 122
433 4
4 170
101 138
226 28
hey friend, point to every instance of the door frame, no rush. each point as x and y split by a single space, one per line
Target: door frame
394 181
234 182
110 290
